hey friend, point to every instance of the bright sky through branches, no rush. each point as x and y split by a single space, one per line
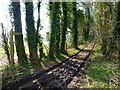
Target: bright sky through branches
5 18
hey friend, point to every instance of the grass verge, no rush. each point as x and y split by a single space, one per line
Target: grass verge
102 72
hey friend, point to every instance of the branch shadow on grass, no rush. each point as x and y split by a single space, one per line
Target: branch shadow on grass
65 53
79 49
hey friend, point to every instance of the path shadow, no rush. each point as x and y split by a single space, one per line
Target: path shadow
60 56
80 58
86 50
65 53
56 77
79 49
59 77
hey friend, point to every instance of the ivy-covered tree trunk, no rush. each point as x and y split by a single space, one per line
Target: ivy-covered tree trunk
31 33
64 27
55 29
52 32
39 42
75 24
87 20
18 29
58 24
104 28
104 10
87 23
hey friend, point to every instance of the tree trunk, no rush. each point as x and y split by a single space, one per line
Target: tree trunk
75 24
87 15
54 40
57 41
11 48
31 33
104 26
18 29
52 34
64 27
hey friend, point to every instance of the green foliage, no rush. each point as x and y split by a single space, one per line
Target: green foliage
82 24
5 44
102 73
69 15
86 30
48 36
15 72
80 18
72 51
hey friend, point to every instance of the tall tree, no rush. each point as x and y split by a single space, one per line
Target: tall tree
31 32
105 25
103 20
113 39
64 27
55 29
39 41
58 27
18 29
75 25
87 15
52 32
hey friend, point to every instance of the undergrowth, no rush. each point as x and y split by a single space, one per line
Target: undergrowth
102 73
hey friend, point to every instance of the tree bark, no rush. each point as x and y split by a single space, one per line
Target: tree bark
57 41
75 24
31 33
53 22
18 29
64 27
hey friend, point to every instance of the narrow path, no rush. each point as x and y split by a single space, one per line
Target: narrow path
57 77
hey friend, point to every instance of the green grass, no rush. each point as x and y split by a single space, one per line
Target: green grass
103 73
73 51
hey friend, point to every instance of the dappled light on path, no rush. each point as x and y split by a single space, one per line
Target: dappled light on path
61 75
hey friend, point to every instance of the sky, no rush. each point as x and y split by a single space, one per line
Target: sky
5 18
